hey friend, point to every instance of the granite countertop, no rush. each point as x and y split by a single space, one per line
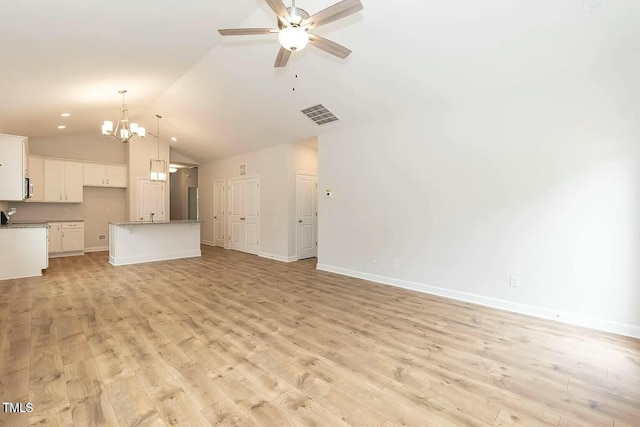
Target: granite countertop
24 225
43 221
181 221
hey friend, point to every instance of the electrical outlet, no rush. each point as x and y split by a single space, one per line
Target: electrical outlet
395 262
102 237
515 282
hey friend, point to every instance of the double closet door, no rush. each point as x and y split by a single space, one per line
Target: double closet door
244 215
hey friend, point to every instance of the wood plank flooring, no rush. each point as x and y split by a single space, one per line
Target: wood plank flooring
235 340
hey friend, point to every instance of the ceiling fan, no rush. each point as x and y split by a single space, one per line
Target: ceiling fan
294 25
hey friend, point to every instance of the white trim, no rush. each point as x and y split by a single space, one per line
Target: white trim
207 242
97 249
154 257
531 310
65 254
278 257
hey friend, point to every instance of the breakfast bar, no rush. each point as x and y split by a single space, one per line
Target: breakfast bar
136 242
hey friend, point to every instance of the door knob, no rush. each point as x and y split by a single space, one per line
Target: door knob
215 217
300 221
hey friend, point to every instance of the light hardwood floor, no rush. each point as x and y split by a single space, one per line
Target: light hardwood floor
233 339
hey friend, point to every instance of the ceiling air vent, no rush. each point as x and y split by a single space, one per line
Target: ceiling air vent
319 114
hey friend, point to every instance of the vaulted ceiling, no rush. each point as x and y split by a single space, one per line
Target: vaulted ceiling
222 96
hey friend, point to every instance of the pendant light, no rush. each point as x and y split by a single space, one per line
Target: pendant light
158 167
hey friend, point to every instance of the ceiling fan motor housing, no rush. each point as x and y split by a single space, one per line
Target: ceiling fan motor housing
297 16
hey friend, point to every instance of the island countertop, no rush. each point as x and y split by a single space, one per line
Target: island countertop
178 221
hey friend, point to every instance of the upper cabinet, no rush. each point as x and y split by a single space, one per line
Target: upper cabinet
13 167
103 175
36 179
63 181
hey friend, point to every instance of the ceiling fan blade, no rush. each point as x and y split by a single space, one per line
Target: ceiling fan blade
282 58
333 13
279 9
328 46
246 31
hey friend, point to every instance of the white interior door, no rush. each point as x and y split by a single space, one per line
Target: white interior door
307 215
218 213
244 212
150 200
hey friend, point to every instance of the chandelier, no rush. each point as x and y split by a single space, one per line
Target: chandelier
124 130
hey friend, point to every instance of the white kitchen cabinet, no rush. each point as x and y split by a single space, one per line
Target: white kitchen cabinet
72 237
55 237
36 179
13 167
26 251
63 181
103 175
66 238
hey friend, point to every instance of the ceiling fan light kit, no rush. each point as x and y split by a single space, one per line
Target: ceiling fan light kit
294 25
293 38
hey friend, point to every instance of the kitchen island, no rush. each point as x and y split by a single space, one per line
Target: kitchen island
24 250
135 242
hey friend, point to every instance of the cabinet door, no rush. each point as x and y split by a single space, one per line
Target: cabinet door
55 238
116 176
94 175
73 182
72 239
12 167
36 178
53 180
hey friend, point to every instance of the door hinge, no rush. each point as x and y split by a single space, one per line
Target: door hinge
316 244
258 242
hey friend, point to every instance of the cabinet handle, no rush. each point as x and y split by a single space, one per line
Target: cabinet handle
66 197
61 197
107 181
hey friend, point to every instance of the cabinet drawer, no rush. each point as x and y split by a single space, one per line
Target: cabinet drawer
72 225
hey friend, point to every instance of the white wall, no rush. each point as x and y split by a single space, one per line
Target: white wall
272 166
542 182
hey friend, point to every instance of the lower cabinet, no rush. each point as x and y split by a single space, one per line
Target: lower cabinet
66 238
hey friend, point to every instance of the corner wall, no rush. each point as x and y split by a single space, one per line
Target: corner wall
542 183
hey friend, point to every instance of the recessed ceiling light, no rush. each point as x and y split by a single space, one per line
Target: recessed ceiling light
61 127
65 114
174 139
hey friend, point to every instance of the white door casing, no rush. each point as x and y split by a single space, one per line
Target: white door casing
218 213
150 199
244 213
306 215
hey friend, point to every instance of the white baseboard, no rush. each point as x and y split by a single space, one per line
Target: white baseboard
207 242
65 254
153 257
97 249
531 310
278 257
